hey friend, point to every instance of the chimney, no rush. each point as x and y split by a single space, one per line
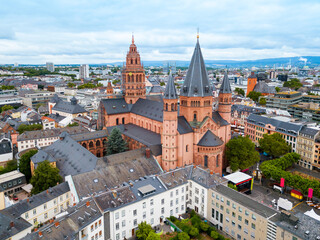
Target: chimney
211 172
88 204
148 153
47 191
11 224
194 166
40 234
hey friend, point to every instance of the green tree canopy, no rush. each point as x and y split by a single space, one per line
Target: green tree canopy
277 89
9 87
262 101
254 95
183 236
274 145
294 83
241 153
153 236
24 163
6 108
23 127
194 232
71 85
73 124
45 176
143 231
11 166
240 91
115 143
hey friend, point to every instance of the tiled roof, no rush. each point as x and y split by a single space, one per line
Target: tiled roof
68 107
115 106
210 140
183 125
225 86
148 108
264 88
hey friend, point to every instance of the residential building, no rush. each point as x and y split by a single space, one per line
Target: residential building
50 66
240 113
307 111
282 100
10 100
6 151
12 182
306 147
42 138
84 71
8 130
257 126
48 123
83 221
35 98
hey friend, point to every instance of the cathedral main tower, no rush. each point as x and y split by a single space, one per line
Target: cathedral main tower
133 76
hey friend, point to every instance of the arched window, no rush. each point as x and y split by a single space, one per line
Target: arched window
123 120
98 143
91 144
166 106
217 161
131 61
187 148
117 121
206 161
84 145
130 101
136 61
194 116
172 106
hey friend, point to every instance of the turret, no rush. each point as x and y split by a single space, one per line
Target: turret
169 134
225 99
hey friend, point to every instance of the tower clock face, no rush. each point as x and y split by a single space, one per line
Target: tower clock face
130 73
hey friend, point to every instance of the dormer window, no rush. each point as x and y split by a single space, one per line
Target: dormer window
195 90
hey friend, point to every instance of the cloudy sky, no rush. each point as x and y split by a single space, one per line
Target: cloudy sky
99 31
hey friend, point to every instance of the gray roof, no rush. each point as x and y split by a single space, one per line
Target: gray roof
55 99
196 83
264 88
71 158
68 107
283 127
216 117
19 225
70 225
5 147
142 135
225 86
90 135
41 156
115 105
170 92
243 108
183 125
311 132
209 139
56 117
149 109
246 201
114 170
156 89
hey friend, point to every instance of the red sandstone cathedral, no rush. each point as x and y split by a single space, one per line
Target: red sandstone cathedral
178 130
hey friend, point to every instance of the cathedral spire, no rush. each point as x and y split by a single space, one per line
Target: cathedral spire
170 91
196 83
132 38
225 86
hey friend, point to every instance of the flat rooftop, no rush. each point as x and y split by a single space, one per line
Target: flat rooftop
237 177
10 175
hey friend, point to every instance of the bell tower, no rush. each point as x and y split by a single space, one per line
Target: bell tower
169 136
133 76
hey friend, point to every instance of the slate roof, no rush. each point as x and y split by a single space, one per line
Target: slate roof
196 83
28 135
311 132
264 88
142 135
148 108
115 106
5 147
209 139
71 158
56 117
243 108
68 107
170 91
114 170
90 135
156 89
283 127
55 99
225 86
19 225
216 117
183 125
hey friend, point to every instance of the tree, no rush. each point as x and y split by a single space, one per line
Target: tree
6 108
214 234
254 95
45 176
293 83
194 232
274 145
153 236
240 91
23 127
277 89
73 124
115 143
204 226
162 84
183 236
241 153
10 166
71 85
24 163
262 101
143 231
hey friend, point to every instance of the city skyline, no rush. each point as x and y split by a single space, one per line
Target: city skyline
95 32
